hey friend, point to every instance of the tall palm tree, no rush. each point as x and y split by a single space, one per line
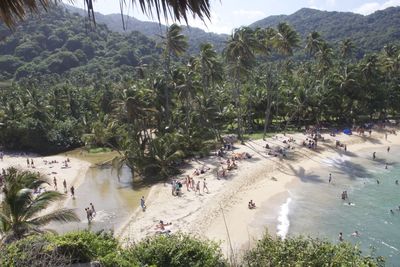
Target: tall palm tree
174 44
286 39
13 10
21 212
239 54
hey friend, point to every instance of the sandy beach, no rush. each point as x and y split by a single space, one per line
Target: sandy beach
73 174
223 214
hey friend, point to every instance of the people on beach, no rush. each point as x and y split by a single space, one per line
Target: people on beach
205 186
161 225
386 166
55 183
143 204
374 155
197 188
92 209
28 164
330 178
32 164
65 186
89 215
72 190
388 149
251 205
391 211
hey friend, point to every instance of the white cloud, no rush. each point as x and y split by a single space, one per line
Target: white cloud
369 8
331 2
249 14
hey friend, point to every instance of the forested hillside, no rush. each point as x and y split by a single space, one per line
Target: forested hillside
195 36
369 33
60 43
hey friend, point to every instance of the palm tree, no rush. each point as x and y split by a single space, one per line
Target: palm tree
21 212
313 43
239 54
174 44
286 39
346 49
13 10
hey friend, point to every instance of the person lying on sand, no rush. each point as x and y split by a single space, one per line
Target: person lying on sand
161 225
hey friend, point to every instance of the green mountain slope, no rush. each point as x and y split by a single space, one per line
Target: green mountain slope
59 42
369 33
195 36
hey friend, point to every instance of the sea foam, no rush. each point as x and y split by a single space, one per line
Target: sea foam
283 219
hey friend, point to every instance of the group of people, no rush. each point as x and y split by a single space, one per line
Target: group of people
90 213
251 205
30 163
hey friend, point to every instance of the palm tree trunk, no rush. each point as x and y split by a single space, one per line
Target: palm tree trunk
267 114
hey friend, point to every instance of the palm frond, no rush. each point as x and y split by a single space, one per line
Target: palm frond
61 215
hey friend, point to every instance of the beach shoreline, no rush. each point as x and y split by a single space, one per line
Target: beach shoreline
222 214
264 179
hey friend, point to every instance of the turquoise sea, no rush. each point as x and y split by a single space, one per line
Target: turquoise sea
315 207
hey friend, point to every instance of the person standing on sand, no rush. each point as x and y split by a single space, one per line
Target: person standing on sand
55 183
27 163
374 155
143 204
187 180
388 149
330 178
32 164
197 188
88 215
93 210
205 186
65 186
386 166
72 189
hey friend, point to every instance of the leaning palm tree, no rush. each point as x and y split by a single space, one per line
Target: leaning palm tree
13 10
240 56
22 212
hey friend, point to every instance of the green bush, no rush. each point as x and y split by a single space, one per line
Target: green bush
300 251
177 250
84 246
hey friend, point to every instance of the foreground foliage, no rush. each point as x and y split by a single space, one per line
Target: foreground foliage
21 211
302 251
175 250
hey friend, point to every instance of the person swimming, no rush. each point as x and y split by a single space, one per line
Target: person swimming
355 234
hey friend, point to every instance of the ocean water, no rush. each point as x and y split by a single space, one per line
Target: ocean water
315 207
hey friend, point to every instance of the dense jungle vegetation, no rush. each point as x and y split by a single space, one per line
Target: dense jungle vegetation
66 84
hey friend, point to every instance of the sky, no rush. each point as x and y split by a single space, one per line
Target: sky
229 14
